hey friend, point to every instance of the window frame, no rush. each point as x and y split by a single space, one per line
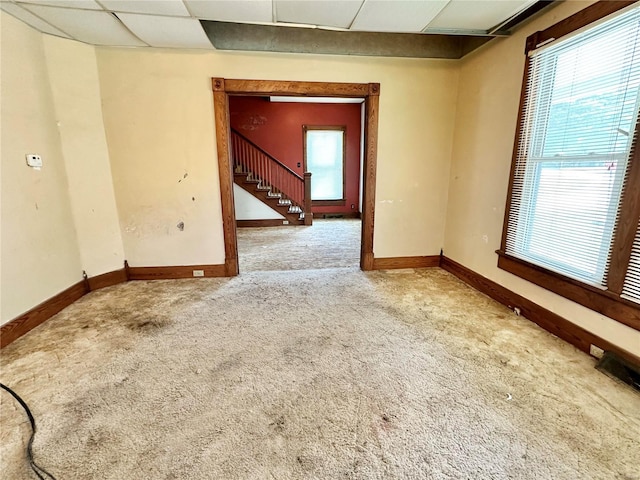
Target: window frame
608 302
336 202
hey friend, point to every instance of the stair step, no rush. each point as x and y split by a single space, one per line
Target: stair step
293 212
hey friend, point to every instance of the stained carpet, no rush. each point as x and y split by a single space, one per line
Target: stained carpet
318 374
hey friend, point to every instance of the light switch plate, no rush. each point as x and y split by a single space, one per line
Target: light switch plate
34 160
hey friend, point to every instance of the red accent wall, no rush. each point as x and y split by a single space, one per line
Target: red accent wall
277 129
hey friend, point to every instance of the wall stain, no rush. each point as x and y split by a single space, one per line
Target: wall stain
254 122
180 226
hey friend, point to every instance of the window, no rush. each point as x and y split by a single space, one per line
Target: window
324 157
572 211
631 287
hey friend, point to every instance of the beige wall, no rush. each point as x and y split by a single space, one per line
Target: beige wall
159 122
490 82
73 76
39 253
446 129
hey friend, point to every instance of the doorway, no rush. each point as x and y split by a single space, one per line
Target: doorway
223 88
327 244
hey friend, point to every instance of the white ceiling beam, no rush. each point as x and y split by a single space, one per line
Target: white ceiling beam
315 100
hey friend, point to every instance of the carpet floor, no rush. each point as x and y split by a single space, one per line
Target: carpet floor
310 374
327 243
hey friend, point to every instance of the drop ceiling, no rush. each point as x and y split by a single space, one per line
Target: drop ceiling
227 24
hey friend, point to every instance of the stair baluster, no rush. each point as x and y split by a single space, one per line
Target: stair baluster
275 178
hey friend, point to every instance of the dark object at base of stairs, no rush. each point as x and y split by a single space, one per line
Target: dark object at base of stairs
619 368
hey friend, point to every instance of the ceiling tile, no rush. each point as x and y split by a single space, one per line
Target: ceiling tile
329 13
476 15
175 8
98 28
30 19
397 15
172 32
80 4
232 10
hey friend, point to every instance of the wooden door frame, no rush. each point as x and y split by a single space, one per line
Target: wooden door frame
224 87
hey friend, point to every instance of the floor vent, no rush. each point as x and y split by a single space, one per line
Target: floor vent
619 368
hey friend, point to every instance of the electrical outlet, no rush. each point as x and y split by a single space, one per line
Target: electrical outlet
285 222
34 160
198 273
596 351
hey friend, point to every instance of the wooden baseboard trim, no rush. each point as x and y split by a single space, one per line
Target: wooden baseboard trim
174 272
406 262
276 222
330 216
107 279
551 322
37 315
26 322
17 327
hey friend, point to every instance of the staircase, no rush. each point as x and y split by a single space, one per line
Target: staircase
270 181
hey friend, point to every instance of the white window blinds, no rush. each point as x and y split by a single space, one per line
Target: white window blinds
631 288
580 110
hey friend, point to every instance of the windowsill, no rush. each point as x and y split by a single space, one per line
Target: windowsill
328 203
602 301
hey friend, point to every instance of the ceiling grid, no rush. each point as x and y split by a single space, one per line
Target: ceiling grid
190 23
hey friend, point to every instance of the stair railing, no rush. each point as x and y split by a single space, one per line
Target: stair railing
271 173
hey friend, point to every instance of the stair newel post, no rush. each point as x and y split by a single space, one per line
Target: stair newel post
308 216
